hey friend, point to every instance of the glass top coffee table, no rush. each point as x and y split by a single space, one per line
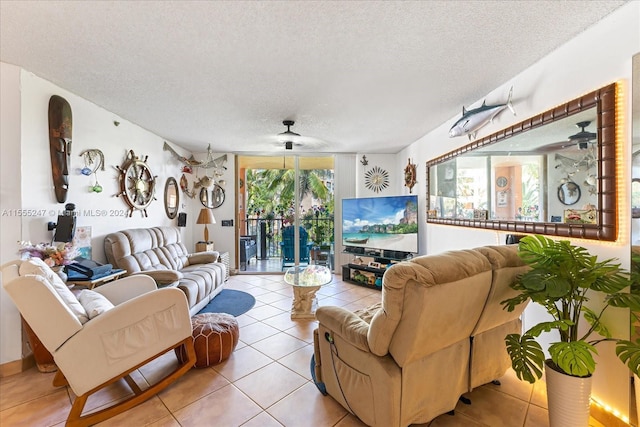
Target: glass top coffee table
306 280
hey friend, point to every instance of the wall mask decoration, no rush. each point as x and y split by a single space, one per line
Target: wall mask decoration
376 179
93 160
137 183
410 175
60 127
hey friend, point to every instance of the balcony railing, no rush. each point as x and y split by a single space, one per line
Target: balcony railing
268 232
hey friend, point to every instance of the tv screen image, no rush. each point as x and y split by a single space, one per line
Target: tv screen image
382 223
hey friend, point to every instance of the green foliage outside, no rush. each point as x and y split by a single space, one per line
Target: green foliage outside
271 195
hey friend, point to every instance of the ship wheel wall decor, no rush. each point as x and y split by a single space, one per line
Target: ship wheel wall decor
376 179
137 183
410 175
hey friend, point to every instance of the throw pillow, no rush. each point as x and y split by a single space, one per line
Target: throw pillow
94 303
36 266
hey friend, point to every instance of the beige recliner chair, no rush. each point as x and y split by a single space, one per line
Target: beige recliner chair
410 362
97 341
489 357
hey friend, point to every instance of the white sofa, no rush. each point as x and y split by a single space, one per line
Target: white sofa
160 253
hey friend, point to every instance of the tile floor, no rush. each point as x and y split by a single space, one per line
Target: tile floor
266 381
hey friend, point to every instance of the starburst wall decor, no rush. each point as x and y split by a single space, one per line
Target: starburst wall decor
376 179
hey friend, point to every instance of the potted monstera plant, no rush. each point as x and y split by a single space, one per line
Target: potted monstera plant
562 279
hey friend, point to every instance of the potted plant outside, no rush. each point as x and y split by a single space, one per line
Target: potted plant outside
562 279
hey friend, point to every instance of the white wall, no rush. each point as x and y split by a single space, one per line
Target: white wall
595 58
27 184
10 197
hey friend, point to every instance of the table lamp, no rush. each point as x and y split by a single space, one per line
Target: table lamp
206 217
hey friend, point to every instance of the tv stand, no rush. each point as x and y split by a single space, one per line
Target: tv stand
370 276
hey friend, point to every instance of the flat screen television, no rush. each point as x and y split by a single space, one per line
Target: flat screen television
387 224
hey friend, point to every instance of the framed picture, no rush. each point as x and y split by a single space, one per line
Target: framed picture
503 199
481 214
374 264
580 216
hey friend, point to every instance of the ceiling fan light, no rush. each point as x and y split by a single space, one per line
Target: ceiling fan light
288 145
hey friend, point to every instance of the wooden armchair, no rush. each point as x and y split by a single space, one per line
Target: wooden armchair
97 345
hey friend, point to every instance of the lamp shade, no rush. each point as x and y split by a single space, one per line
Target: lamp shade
206 217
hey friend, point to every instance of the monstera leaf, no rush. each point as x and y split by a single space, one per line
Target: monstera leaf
574 358
527 357
629 353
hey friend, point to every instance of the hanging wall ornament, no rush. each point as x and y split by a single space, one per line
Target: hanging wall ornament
410 175
93 160
137 183
376 179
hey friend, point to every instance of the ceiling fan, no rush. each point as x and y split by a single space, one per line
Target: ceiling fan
287 137
290 139
579 140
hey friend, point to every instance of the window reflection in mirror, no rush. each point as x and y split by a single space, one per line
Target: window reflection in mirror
550 174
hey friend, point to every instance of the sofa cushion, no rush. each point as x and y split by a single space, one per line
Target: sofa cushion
37 267
94 303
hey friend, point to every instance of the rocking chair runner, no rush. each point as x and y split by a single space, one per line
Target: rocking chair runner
287 246
143 324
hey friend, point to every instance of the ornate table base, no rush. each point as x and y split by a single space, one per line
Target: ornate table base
304 302
306 280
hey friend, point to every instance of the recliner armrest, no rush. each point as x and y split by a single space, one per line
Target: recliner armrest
124 289
346 324
163 277
203 257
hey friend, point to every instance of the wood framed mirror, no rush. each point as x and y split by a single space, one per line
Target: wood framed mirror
171 198
512 180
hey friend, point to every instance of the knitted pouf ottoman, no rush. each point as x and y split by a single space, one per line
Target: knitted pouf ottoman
215 336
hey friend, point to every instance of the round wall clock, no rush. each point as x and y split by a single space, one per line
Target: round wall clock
137 183
376 179
502 181
410 175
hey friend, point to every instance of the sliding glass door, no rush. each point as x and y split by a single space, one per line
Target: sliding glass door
274 195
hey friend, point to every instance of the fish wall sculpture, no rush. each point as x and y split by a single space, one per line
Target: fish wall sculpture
474 119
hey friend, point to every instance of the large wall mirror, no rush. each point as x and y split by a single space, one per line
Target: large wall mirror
552 174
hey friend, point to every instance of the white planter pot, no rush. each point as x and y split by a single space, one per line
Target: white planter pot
568 399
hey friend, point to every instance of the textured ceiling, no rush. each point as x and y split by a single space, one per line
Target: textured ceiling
370 77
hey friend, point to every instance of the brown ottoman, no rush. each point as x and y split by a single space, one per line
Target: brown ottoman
215 336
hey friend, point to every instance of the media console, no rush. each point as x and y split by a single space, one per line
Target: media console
369 273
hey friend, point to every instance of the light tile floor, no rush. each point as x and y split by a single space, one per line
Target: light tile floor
266 381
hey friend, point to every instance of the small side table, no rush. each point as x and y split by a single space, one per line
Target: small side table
306 280
92 283
205 246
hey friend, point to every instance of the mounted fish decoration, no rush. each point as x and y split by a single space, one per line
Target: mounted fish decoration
474 119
